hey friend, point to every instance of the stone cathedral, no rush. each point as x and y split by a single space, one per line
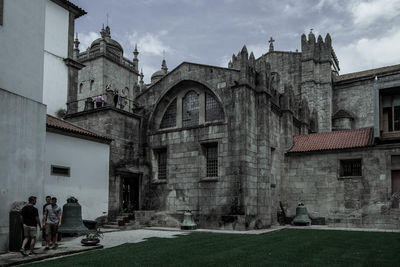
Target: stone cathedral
238 145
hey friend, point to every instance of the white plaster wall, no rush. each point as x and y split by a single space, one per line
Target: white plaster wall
22 140
55 73
88 181
21 48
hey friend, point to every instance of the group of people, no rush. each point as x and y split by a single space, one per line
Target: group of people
30 221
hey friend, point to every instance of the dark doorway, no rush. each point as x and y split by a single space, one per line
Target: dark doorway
130 193
396 188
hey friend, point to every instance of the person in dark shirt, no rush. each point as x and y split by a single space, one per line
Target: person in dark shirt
48 202
30 219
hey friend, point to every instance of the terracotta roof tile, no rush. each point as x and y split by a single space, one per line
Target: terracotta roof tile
333 140
69 127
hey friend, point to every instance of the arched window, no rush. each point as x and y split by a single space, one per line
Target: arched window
80 87
169 118
190 109
213 109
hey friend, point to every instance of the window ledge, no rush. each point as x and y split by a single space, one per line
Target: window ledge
349 177
159 181
390 135
209 179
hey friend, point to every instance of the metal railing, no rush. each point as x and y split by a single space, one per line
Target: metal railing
99 101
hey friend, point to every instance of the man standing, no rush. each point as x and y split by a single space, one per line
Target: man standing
52 218
30 219
48 202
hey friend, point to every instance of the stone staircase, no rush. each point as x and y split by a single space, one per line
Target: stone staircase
136 220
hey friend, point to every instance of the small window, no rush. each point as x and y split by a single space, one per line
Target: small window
213 109
91 85
350 167
211 153
169 119
161 155
60 170
80 88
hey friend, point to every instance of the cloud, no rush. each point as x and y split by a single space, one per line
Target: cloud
366 53
366 13
86 39
150 43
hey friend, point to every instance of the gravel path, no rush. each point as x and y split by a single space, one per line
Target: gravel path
112 239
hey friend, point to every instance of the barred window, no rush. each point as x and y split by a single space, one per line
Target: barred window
212 159
161 164
169 119
350 167
190 116
213 109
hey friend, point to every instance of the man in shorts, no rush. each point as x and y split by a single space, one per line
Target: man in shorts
30 219
52 218
48 202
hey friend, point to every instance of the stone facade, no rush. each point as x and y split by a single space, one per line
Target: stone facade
165 136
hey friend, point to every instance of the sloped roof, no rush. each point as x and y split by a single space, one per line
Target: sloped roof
71 7
367 73
59 124
333 140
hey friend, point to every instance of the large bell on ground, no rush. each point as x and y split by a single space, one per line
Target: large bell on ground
188 223
72 218
301 215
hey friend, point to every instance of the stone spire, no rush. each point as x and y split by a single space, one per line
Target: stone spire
76 47
135 52
141 82
105 32
135 58
271 44
164 66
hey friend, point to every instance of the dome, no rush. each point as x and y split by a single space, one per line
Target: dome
157 75
160 73
111 43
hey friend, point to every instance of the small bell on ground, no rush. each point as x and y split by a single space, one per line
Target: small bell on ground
188 223
301 215
72 218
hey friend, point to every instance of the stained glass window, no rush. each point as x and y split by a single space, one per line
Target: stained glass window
169 119
190 109
213 109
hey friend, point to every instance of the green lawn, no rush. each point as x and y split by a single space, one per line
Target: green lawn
283 248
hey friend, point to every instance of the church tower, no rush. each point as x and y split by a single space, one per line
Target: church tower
105 69
318 63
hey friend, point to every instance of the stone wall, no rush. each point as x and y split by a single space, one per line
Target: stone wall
103 71
288 66
314 179
241 196
357 98
125 149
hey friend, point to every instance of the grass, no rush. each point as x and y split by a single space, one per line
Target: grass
283 248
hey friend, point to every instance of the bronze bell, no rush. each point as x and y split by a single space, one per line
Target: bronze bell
188 223
301 215
72 218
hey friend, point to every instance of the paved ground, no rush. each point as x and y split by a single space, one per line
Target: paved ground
117 238
114 238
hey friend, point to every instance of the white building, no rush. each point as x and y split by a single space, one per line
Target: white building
77 164
27 33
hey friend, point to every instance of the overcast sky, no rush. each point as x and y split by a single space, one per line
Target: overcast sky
365 34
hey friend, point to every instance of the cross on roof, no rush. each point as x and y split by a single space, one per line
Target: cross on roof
271 44
271 40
